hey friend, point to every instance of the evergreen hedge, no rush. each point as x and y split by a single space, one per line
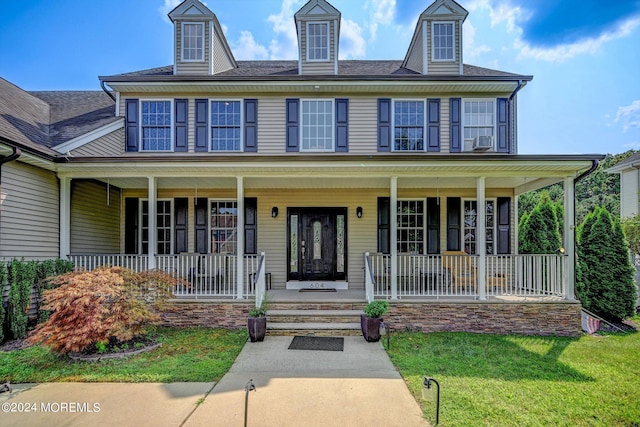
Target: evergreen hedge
539 231
604 275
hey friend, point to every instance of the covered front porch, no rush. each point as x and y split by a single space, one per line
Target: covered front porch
429 248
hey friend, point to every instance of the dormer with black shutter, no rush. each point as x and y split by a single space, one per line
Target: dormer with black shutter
200 47
436 46
318 28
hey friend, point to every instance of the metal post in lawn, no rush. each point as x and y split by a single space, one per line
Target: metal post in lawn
427 394
250 386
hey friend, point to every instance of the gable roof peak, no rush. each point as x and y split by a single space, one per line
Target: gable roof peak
316 7
448 8
191 8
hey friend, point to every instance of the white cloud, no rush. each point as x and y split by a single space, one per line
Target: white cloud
471 50
382 13
247 48
352 43
285 43
167 7
629 116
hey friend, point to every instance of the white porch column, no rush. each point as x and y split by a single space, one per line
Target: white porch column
569 234
516 236
481 238
393 208
240 238
152 197
65 217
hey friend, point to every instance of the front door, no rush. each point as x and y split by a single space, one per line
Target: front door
317 244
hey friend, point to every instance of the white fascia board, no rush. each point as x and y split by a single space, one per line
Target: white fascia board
88 137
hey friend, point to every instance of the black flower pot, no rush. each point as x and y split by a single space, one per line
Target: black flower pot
370 327
257 328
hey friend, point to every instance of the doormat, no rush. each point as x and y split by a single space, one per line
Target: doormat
317 343
317 290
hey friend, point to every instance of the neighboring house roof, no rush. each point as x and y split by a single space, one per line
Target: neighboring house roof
288 70
632 162
40 120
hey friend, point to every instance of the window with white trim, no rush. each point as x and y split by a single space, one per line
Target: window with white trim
479 119
317 41
317 125
226 125
408 125
192 41
443 41
470 242
224 226
156 126
411 226
164 226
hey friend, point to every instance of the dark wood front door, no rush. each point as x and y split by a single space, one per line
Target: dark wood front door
317 244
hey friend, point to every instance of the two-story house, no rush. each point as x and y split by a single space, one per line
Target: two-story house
394 179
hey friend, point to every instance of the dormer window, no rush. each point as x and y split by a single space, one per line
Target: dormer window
443 41
193 42
318 41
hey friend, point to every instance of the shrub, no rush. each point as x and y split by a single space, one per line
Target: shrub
44 270
96 306
21 278
605 275
539 231
376 308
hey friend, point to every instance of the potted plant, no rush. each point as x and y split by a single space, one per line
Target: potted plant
257 322
372 318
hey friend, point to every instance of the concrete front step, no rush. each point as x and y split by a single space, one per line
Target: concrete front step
315 321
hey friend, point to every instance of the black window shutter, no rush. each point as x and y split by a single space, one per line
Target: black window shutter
131 225
132 124
433 125
455 125
384 225
293 125
180 123
181 225
250 225
453 223
503 125
250 125
433 225
342 125
504 225
201 123
200 223
384 125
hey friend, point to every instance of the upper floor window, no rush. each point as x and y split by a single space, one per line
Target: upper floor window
226 125
318 41
478 121
443 41
408 125
193 42
317 125
156 125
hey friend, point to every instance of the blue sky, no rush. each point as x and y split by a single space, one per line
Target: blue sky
584 54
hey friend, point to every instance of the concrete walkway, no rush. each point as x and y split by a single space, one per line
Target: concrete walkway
357 386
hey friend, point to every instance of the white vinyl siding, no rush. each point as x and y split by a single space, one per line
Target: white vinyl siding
95 218
629 193
29 218
110 145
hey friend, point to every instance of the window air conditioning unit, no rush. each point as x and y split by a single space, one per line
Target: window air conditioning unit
482 143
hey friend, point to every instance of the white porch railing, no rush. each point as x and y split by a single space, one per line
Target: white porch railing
202 275
456 275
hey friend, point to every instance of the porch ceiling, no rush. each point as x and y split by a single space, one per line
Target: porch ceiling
522 173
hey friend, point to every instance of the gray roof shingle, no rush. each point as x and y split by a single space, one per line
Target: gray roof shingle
41 120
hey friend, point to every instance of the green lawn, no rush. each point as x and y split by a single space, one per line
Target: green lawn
197 354
489 380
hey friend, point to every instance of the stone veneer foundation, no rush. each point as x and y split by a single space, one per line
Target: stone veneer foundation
560 318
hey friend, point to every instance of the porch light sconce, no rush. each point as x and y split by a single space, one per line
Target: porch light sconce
560 251
274 212
359 211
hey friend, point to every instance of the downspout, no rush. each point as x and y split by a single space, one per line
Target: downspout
11 157
514 130
594 166
107 91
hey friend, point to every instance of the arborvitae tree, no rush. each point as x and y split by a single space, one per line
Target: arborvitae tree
605 279
539 233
